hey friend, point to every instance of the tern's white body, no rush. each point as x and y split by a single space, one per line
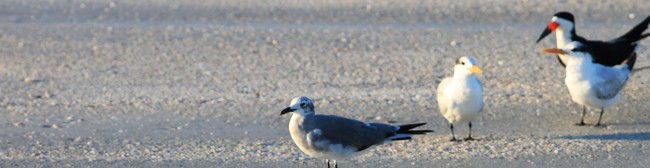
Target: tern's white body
594 85
460 98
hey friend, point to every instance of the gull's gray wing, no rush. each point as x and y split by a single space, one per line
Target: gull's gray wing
325 130
611 81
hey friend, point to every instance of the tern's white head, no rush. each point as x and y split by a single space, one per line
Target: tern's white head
466 66
302 105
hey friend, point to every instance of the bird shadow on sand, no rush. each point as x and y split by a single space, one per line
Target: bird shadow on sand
638 136
635 70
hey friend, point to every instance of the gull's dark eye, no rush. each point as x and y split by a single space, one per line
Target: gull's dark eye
463 63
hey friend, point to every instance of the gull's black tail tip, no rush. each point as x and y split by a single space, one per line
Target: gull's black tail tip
401 138
410 126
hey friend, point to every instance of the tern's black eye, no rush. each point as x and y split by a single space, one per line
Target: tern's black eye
462 63
302 104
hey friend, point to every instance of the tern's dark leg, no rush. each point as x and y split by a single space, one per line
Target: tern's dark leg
336 164
582 120
469 138
602 110
453 137
328 163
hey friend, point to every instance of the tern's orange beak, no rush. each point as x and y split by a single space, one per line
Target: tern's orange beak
553 51
475 69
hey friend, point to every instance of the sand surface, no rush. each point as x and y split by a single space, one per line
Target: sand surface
165 83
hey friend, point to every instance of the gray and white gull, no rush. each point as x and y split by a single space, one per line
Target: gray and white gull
337 138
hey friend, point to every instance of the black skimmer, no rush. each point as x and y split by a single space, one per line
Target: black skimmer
608 53
460 97
590 83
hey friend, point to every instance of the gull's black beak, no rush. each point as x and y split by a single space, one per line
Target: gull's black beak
546 32
287 110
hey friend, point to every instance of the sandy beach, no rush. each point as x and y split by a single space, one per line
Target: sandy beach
163 83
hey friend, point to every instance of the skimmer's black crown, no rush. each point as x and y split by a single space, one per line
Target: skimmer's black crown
565 15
